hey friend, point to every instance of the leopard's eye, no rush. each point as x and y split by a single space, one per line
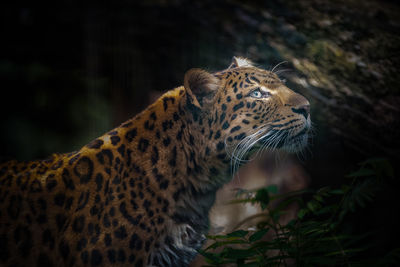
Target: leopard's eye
256 94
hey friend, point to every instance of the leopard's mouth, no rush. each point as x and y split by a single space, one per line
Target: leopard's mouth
266 139
285 140
296 143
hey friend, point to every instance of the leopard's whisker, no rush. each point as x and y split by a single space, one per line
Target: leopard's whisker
280 63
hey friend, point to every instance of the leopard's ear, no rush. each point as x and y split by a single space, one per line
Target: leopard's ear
200 87
240 62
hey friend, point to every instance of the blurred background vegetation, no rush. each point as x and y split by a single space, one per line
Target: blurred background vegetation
71 71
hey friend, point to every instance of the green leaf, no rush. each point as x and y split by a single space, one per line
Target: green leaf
215 237
313 205
363 172
325 210
262 196
232 253
302 213
224 243
285 203
343 252
273 189
258 235
212 258
291 224
337 192
324 191
238 233
318 198
381 166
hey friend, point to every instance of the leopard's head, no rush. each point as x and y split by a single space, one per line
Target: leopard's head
247 107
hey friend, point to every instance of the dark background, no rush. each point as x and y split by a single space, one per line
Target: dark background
70 72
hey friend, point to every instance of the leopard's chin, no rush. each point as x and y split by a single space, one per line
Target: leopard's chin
296 144
289 144
293 143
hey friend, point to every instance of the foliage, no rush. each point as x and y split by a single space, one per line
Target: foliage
316 237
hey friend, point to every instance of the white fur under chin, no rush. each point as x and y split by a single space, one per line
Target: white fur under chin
296 145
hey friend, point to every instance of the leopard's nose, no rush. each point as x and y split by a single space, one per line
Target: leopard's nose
303 110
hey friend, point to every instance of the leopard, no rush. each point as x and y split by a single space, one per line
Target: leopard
140 194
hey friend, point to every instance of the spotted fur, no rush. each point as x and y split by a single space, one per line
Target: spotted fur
140 194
